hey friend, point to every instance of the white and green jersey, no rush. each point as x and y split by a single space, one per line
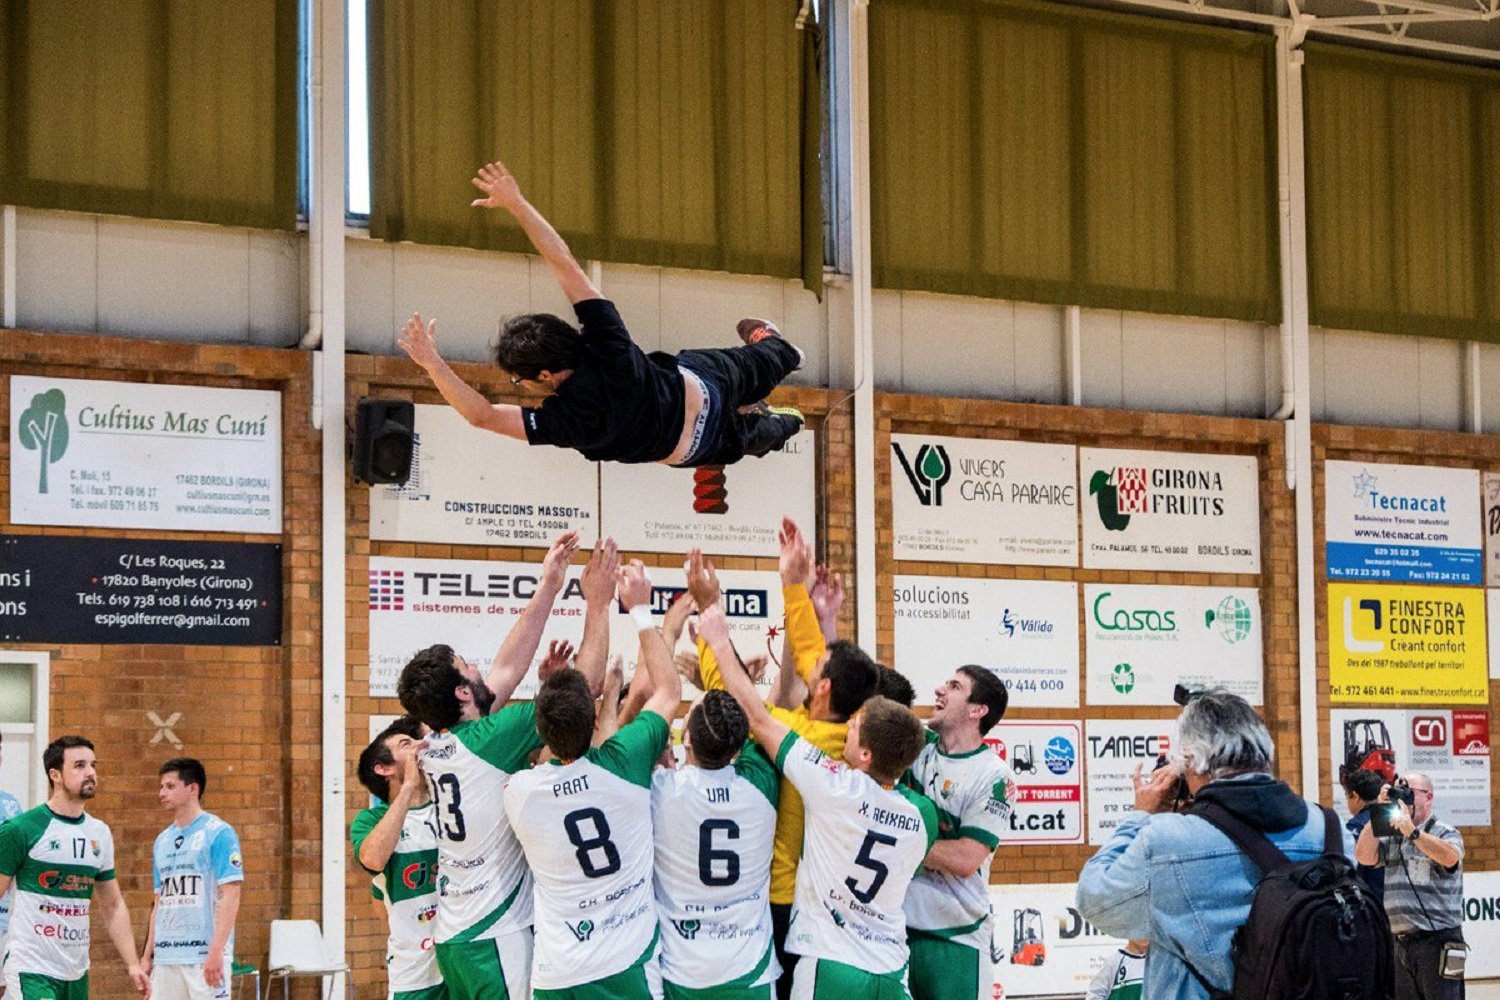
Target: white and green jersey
587 835
714 835
55 862
408 888
484 887
973 794
861 845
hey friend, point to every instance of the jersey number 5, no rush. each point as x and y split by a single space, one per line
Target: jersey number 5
864 860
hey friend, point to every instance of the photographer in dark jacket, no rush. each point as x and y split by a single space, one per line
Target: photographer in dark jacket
1361 791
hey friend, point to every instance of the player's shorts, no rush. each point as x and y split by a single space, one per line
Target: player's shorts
186 982
821 979
944 970
28 986
491 969
438 992
641 981
763 992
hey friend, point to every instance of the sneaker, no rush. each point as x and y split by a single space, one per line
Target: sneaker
753 331
788 411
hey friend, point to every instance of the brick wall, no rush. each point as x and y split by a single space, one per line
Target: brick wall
251 714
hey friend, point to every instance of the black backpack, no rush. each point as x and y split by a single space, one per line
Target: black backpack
1315 930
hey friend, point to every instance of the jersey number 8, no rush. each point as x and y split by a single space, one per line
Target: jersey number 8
588 846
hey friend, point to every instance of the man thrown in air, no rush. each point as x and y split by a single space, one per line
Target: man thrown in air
605 397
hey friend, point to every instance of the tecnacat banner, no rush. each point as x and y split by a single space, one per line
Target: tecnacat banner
1403 522
1394 645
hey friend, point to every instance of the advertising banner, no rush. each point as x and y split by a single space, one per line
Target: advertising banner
139 591
1492 529
1047 807
973 500
471 487
733 510
1492 602
1026 631
1482 924
92 453
1144 639
1403 645
1042 946
1170 510
1450 746
471 605
1115 747
1403 522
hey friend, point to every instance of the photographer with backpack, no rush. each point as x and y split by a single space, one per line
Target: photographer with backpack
1252 892
1424 888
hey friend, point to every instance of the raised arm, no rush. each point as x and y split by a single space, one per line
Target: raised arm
419 341
655 659
713 631
378 844
501 191
803 630
598 585
519 648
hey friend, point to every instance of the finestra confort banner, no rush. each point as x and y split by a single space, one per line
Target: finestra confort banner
1405 645
974 500
1403 523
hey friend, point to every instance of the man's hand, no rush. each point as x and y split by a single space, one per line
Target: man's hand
499 187
213 971
419 341
796 554
676 618
756 666
408 767
555 565
1154 794
559 657
599 575
702 580
141 980
1403 823
634 585
827 593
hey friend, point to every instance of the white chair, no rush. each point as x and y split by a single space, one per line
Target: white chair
297 950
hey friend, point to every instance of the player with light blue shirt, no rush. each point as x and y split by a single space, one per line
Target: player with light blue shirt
197 872
10 807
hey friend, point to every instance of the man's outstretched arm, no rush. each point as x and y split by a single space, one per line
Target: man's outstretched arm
502 191
419 341
516 652
713 629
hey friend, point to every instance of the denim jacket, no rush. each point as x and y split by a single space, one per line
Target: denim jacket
1180 883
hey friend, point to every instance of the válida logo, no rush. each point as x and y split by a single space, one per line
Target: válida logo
1105 491
928 471
44 429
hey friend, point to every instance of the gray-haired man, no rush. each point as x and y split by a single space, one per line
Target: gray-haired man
1424 892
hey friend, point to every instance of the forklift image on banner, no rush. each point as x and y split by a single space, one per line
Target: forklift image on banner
1367 744
1025 761
1027 945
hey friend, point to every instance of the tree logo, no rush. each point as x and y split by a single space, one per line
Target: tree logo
927 473
687 928
1123 678
44 430
583 930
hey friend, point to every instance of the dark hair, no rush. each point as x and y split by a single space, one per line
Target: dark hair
537 342
52 757
892 734
427 687
377 753
1365 783
852 678
718 728
565 714
988 690
189 772
893 684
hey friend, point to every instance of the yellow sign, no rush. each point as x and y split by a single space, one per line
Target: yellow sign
1398 645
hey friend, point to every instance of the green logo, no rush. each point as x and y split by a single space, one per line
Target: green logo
1102 486
44 430
1231 619
583 930
687 928
1123 678
999 791
929 470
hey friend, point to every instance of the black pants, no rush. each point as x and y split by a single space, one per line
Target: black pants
735 377
781 918
1419 967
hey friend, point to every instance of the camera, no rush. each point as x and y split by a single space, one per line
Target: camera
1181 796
1400 791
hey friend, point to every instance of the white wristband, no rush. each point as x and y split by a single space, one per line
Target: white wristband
642 615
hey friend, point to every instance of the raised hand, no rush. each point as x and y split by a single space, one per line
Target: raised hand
598 580
796 554
634 585
419 341
676 617
827 593
499 187
555 565
702 580
559 657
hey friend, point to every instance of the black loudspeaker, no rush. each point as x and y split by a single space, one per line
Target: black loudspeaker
383 440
